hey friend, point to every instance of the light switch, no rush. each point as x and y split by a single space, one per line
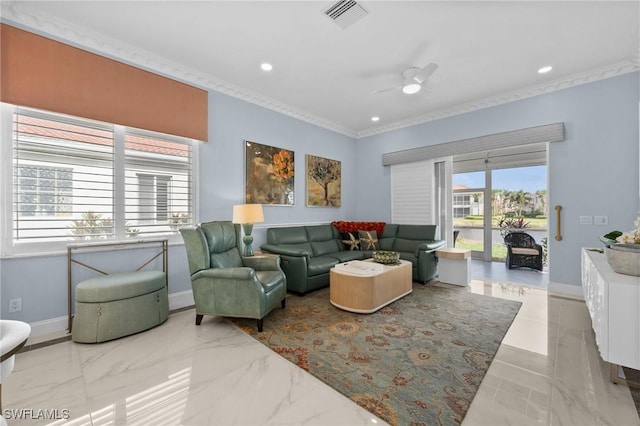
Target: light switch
586 220
601 220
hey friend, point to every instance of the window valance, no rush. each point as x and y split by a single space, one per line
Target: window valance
42 73
546 133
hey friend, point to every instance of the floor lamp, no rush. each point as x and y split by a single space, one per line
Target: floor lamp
246 215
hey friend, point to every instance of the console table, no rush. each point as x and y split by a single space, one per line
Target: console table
613 301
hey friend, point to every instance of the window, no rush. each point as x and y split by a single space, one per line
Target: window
461 212
76 179
461 200
43 191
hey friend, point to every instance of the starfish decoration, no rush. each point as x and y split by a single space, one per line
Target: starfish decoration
352 242
371 242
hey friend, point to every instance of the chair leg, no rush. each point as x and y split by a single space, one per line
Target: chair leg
260 325
199 319
283 303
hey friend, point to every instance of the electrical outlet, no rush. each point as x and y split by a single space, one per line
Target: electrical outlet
601 220
15 305
586 220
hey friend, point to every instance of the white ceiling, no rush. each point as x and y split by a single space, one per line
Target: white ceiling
488 52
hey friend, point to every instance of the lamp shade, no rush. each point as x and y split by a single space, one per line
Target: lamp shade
248 213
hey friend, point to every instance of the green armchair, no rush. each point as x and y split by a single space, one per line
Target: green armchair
226 284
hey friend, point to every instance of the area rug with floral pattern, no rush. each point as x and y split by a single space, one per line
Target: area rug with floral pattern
419 360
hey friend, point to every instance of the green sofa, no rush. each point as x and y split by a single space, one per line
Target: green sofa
309 252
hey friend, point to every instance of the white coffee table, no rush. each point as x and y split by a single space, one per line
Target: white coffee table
364 286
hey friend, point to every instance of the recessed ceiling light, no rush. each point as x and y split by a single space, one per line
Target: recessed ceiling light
266 66
375 118
545 69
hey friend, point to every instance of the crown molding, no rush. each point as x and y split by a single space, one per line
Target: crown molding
609 71
21 15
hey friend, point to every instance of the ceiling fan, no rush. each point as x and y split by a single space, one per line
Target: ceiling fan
412 79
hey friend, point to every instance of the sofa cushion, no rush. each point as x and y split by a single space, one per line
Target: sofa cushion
226 259
325 247
409 256
288 235
417 232
321 265
221 236
350 240
222 241
119 286
321 233
404 245
390 231
525 251
348 255
387 238
368 240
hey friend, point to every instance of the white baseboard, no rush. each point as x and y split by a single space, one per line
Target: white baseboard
181 300
565 290
59 324
53 325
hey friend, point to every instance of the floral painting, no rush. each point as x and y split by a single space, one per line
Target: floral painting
323 182
269 173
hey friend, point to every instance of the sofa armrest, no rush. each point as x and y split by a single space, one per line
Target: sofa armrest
430 246
262 263
226 273
287 251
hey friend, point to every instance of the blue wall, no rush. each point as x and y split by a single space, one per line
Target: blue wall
593 172
233 121
41 281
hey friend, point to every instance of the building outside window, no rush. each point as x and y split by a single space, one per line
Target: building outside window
43 191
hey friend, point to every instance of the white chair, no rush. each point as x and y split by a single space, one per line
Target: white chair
13 336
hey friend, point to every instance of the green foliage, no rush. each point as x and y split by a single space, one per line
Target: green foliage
178 220
613 235
533 213
506 224
94 226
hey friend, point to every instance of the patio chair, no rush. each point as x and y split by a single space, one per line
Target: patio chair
523 251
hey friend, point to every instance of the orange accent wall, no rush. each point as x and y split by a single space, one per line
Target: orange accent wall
42 73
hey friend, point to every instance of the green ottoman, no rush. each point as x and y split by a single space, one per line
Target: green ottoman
120 304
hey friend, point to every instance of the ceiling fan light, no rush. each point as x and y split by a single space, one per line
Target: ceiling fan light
411 88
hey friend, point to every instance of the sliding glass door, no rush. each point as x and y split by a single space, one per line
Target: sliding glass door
491 202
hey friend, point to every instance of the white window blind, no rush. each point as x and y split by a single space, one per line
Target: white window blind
158 183
63 178
412 193
80 179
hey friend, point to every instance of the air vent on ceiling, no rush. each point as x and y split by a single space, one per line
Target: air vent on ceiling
345 12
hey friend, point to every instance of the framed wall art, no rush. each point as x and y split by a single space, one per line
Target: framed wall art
324 180
269 175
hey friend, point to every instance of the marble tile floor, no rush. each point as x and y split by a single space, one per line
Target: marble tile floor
498 271
546 372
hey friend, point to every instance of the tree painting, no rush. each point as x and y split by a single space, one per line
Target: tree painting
323 182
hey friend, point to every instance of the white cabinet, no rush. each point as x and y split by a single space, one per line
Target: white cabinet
613 301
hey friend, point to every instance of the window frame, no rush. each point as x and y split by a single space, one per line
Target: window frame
11 248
